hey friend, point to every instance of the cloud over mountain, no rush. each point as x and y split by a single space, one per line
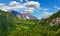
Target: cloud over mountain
4 8
46 14
28 6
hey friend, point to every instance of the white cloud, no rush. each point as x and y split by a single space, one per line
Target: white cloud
32 4
29 10
57 7
4 8
13 3
46 14
45 9
28 6
17 6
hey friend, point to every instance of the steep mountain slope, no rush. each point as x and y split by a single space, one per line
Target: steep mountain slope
10 23
10 18
6 23
28 16
56 15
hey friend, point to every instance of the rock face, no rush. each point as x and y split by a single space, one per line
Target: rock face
55 21
22 15
27 16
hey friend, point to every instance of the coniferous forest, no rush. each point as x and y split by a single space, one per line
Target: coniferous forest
11 25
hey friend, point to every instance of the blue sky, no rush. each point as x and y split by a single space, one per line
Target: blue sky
45 9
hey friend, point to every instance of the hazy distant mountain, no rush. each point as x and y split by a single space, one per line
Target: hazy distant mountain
22 15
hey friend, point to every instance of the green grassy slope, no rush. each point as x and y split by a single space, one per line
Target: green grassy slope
9 23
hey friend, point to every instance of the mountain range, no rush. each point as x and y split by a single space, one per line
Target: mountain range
24 16
13 25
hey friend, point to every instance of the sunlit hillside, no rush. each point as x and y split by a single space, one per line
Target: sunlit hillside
11 25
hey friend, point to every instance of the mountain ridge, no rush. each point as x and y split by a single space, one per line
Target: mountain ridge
55 15
24 16
11 25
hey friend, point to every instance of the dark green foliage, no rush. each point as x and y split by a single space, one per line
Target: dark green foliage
10 25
